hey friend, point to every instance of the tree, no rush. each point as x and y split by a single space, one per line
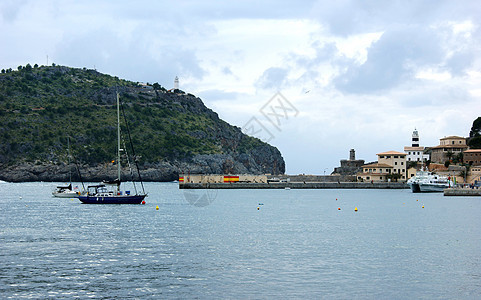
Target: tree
412 164
3 71
476 128
475 143
449 154
19 68
458 158
28 68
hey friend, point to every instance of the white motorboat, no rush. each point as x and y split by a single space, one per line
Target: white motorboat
66 192
426 181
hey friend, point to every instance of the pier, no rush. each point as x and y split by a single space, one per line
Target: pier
295 185
462 192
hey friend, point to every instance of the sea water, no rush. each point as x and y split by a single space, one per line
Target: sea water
216 244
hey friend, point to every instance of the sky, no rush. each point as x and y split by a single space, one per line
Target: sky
313 78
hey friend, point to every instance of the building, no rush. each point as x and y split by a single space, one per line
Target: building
472 157
352 166
375 172
391 165
448 148
415 152
474 176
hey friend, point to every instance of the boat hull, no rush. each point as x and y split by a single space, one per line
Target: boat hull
415 187
120 199
432 188
65 195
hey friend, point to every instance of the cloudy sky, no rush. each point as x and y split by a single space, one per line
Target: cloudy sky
351 74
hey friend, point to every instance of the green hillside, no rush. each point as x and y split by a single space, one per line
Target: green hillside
41 106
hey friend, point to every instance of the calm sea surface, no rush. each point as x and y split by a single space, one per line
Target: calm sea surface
218 244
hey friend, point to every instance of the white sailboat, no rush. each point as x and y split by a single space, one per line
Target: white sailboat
66 191
110 192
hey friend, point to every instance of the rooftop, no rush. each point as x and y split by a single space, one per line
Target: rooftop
392 153
377 165
452 137
413 148
473 151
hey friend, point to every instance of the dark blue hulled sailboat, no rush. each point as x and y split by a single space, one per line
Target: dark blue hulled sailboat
110 192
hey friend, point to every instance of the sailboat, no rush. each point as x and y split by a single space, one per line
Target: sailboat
66 191
110 192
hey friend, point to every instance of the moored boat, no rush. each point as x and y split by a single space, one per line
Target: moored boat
111 192
426 181
66 192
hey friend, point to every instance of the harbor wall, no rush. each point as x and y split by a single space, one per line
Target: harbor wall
462 192
296 185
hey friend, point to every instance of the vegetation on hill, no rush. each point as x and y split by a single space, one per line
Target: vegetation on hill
41 106
474 141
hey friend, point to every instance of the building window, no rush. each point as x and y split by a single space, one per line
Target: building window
402 163
395 163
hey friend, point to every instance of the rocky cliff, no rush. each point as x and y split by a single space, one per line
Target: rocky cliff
172 132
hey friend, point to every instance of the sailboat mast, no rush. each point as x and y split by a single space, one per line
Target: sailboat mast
118 137
68 159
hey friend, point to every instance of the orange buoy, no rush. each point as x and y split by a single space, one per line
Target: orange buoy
143 201
338 208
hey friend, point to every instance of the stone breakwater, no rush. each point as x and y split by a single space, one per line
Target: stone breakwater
462 192
296 185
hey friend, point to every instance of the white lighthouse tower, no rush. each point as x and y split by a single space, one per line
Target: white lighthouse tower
415 138
415 152
176 83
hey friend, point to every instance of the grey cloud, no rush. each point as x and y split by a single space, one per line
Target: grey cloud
347 17
273 78
9 9
459 62
391 60
227 71
133 61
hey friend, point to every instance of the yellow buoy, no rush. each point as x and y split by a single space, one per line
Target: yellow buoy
423 206
157 207
258 207
355 208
